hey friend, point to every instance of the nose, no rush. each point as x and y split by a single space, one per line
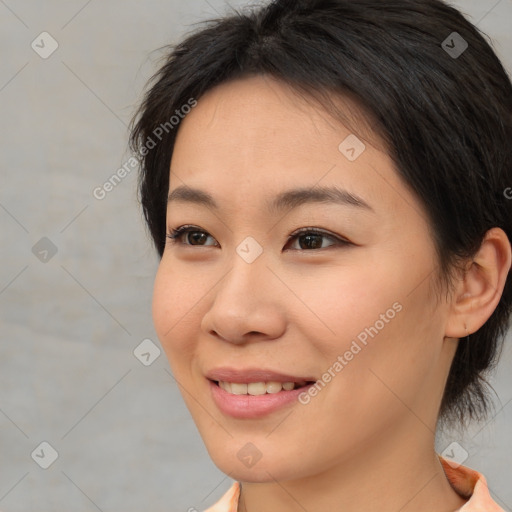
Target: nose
247 304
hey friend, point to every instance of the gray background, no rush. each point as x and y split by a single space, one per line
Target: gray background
69 325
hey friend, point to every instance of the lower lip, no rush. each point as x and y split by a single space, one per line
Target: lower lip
253 406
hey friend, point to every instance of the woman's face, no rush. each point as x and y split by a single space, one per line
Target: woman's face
241 300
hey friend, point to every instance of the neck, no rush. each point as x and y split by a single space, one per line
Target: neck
386 476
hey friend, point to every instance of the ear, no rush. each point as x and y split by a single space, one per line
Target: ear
479 291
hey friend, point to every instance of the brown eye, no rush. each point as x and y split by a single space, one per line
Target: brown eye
310 238
192 234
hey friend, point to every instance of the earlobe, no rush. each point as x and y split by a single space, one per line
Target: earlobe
480 288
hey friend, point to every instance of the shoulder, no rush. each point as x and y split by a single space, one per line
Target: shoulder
228 502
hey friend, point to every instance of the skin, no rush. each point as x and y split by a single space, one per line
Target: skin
366 441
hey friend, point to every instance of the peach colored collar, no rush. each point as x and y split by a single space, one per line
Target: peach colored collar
470 485
228 502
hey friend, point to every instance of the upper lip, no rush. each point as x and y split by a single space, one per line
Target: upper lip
242 376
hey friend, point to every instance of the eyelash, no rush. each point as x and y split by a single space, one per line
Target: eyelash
178 233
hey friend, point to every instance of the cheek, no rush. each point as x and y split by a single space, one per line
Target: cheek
340 305
173 310
387 362
373 319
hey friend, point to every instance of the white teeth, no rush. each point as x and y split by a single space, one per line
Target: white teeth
238 389
258 388
275 387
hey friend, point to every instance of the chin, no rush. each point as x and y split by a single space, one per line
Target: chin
245 463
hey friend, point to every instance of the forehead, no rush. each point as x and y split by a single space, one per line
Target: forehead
274 111
257 136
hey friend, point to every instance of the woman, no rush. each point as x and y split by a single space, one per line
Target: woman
325 181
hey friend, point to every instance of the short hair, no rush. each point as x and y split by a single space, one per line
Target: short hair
437 94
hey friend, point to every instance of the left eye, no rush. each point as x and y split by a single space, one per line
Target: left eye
312 239
308 238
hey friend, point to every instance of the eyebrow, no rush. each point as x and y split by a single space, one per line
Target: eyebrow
288 199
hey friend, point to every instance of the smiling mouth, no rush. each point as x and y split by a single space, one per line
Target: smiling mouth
260 388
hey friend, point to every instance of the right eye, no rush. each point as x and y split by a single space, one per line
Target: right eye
176 235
